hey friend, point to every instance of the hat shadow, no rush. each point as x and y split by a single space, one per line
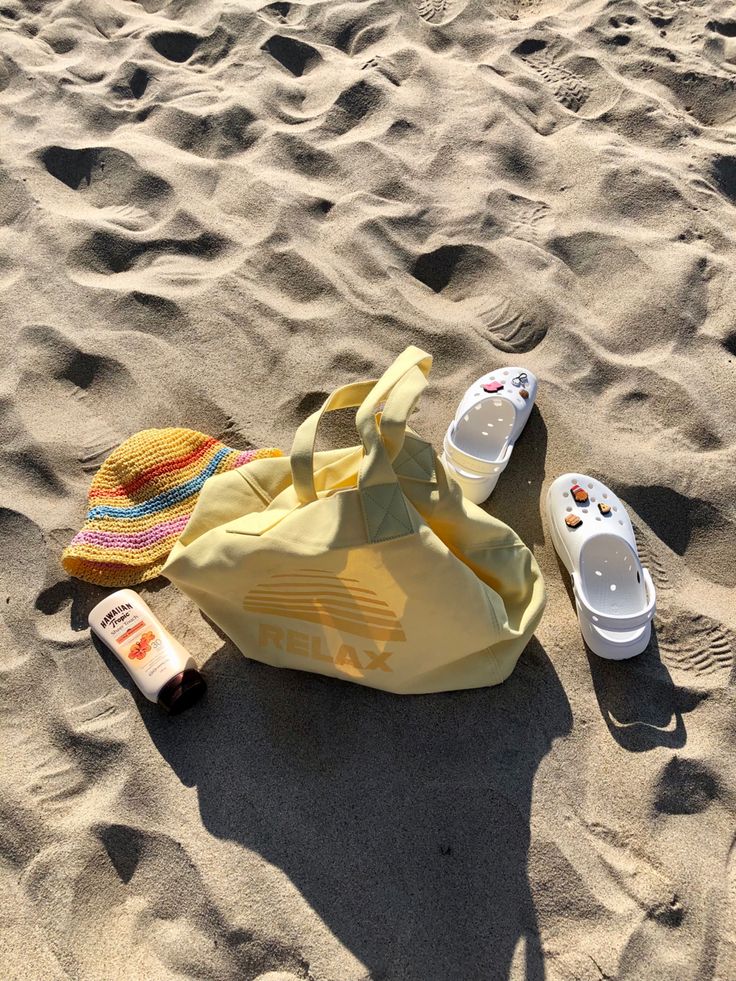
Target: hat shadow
404 821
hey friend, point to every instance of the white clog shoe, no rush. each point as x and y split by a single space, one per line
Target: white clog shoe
614 593
489 420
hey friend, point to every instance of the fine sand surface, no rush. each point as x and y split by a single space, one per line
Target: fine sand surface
211 214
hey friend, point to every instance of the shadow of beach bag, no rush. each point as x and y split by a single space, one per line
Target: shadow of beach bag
364 563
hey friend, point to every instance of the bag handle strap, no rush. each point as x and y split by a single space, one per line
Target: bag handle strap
383 442
302 449
400 387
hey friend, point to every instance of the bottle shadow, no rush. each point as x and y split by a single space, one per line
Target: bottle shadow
403 821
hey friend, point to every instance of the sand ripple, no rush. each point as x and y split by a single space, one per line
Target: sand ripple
211 214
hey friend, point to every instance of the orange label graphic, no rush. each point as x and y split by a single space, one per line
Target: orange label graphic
129 633
139 650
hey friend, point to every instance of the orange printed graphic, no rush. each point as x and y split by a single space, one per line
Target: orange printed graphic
139 650
333 601
129 633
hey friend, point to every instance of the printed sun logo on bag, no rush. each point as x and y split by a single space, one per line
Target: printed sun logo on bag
329 601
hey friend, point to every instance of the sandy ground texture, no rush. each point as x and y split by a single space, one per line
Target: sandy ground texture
213 213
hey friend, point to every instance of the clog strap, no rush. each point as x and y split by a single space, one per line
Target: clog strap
465 461
605 621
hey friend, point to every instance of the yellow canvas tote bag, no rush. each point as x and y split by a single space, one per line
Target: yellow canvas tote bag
365 563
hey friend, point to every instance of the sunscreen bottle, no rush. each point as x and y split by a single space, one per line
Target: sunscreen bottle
162 668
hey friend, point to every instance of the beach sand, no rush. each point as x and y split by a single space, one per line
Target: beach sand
211 215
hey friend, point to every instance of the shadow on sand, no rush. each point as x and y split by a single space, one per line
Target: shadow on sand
641 705
517 497
638 700
403 821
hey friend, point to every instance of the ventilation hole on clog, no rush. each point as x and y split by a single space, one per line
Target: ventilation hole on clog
568 509
605 496
478 408
484 432
599 519
590 486
613 587
638 577
495 469
585 510
566 493
598 572
594 619
615 508
592 500
620 522
500 419
467 418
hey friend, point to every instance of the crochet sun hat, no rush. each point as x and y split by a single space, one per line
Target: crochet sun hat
140 501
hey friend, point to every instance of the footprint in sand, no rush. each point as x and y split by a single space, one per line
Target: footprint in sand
75 759
282 12
124 865
176 262
579 83
295 56
438 12
22 549
131 82
82 375
468 283
569 90
67 739
705 95
691 526
644 403
49 363
589 872
110 186
200 51
117 199
510 326
699 648
204 133
651 554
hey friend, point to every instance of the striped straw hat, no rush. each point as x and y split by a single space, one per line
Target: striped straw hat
140 501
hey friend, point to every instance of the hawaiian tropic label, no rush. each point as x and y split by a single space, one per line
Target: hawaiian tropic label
127 628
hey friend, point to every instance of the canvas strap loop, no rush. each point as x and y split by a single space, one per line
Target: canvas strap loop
399 388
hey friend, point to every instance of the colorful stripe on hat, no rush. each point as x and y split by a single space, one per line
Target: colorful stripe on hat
140 502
